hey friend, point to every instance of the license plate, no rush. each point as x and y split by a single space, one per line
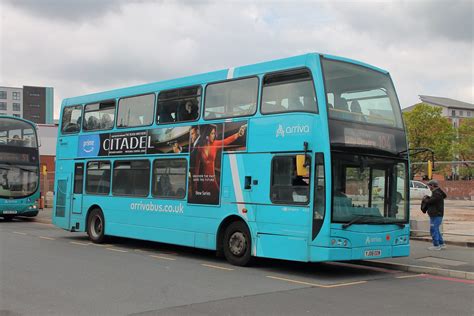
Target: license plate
373 253
10 212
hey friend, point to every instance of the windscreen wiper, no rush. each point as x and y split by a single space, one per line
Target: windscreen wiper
359 219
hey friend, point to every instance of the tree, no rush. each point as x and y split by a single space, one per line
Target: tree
464 147
427 128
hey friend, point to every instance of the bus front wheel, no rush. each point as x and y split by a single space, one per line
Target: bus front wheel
237 244
96 226
8 218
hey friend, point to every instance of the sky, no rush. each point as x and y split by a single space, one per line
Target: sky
84 46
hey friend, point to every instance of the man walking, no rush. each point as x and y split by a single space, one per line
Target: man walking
434 205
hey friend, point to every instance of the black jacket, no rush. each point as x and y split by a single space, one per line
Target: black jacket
434 205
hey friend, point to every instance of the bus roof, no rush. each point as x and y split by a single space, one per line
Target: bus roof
241 71
18 119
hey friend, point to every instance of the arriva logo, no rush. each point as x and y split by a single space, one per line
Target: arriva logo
372 240
295 129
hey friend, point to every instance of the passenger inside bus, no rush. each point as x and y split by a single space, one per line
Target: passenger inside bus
357 111
187 111
294 104
15 141
106 122
300 189
165 113
92 123
164 186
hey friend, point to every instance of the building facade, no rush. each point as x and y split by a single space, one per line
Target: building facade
29 102
454 110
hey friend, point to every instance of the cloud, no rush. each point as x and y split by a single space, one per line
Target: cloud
80 48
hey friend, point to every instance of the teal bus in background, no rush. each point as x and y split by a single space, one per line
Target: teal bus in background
276 159
19 168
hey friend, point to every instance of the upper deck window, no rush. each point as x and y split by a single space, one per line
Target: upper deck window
231 98
360 94
290 91
99 116
179 105
71 122
136 111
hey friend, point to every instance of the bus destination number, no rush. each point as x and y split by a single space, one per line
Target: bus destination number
373 253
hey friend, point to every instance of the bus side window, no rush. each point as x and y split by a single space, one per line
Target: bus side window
137 173
99 116
289 91
136 111
233 98
98 177
179 105
71 120
286 186
169 178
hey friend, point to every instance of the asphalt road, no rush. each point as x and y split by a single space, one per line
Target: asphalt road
47 271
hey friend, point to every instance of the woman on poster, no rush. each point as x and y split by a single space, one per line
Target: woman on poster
206 186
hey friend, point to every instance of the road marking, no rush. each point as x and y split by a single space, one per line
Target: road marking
80 243
48 238
294 281
344 284
162 257
41 223
315 284
102 245
115 249
20 233
216 267
410 276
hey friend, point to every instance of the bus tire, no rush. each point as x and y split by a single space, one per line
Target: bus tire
237 244
96 226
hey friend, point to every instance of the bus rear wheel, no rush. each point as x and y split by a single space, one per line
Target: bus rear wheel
96 226
237 244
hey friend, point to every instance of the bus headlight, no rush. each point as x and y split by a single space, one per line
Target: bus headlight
339 242
402 240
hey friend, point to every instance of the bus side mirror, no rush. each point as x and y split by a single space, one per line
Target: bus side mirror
302 168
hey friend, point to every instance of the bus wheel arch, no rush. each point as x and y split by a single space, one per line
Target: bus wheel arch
95 224
235 241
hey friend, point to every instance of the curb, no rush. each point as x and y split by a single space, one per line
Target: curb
467 244
420 269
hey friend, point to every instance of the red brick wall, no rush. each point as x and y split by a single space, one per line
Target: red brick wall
458 189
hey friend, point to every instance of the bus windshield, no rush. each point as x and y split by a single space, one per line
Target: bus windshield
18 159
359 94
16 133
371 187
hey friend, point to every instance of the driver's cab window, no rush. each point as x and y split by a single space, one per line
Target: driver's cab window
287 187
71 120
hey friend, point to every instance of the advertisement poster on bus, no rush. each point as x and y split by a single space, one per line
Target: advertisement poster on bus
206 145
169 140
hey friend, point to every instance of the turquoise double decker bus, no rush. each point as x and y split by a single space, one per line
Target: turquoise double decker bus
277 159
19 168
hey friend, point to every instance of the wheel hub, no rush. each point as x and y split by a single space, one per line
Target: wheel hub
237 244
97 226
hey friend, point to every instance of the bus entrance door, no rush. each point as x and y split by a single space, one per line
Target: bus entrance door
61 213
77 190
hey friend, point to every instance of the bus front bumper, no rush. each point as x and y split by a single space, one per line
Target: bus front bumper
19 210
359 253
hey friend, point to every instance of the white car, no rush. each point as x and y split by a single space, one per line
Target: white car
417 189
